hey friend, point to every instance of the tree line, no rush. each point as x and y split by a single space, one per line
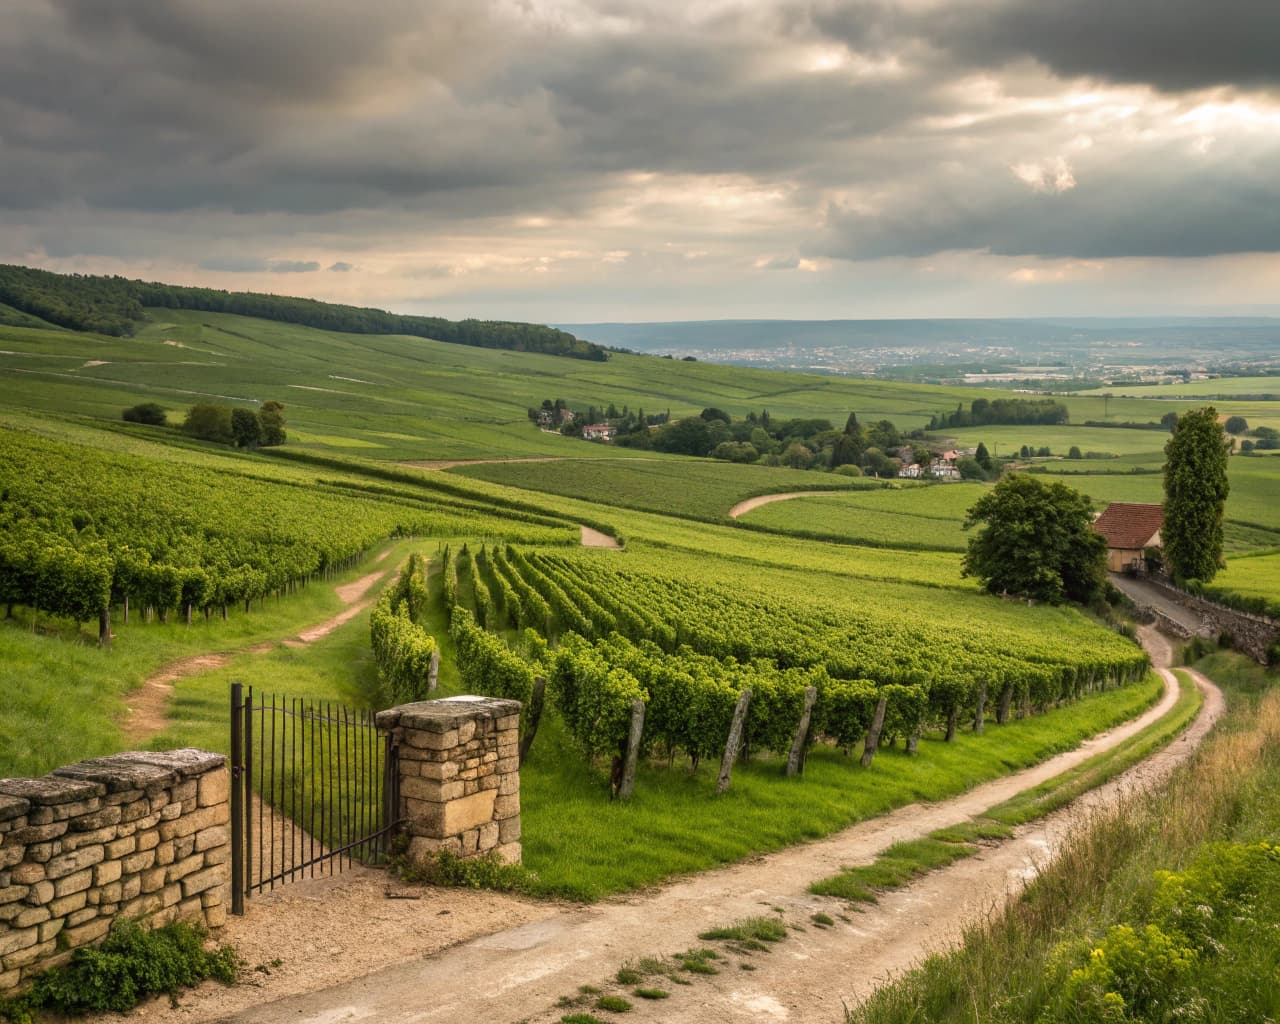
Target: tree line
983 412
117 305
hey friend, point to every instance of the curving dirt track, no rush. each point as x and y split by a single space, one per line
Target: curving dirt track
517 974
743 507
147 707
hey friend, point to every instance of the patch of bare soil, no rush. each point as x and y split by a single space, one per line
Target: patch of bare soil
316 934
743 507
595 539
147 707
543 952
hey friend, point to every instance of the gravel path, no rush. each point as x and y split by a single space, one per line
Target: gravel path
517 974
1148 595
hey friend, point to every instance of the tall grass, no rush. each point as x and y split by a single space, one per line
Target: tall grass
1105 874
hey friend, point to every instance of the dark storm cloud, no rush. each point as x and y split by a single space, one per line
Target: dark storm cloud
1170 44
1122 217
461 117
341 267
1173 45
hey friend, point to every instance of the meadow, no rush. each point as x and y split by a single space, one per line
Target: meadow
911 518
395 398
690 488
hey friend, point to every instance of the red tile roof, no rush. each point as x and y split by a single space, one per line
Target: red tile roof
1128 525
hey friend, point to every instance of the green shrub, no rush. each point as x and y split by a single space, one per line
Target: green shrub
131 963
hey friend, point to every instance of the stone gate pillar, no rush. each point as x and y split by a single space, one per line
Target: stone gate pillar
459 766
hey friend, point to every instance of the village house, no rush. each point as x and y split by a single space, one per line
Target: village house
598 432
911 472
1129 528
940 469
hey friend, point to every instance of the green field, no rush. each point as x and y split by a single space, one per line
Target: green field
696 488
405 398
909 518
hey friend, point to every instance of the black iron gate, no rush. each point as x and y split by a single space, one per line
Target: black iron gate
314 789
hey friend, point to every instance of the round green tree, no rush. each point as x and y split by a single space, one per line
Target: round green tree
1037 542
1195 496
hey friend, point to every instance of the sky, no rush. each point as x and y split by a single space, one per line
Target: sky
599 160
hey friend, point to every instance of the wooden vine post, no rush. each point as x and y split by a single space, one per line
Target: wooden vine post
433 673
979 714
873 734
795 760
735 741
1006 698
633 751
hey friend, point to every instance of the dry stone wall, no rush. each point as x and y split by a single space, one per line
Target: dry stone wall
459 775
139 835
1252 634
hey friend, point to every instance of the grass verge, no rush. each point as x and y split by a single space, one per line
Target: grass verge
1160 910
903 862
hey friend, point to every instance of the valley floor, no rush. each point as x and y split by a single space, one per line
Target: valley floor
544 952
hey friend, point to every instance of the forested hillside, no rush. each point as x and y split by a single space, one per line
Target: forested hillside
116 306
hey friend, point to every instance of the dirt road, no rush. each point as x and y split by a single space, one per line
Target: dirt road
519 973
743 507
147 707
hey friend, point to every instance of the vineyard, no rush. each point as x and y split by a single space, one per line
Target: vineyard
83 530
607 638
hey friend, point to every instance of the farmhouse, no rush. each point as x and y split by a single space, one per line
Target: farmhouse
598 432
1129 528
941 469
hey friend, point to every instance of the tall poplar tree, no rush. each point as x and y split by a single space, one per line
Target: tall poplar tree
1195 496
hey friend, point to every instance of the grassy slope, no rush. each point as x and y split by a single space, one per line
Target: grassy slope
1011 967
698 488
366 393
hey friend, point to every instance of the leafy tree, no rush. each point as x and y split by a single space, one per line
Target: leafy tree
271 415
147 412
209 422
712 413
983 457
246 428
689 436
1074 452
1195 496
1170 420
851 425
1236 425
1037 542
970 468
878 463
797 456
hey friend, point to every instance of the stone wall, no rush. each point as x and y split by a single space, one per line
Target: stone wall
141 835
459 775
1252 634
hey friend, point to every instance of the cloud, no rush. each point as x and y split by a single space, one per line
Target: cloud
1046 176
462 152
256 265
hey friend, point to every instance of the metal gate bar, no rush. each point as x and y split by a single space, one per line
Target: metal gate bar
321 782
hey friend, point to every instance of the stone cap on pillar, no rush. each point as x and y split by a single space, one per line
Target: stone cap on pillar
446 713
